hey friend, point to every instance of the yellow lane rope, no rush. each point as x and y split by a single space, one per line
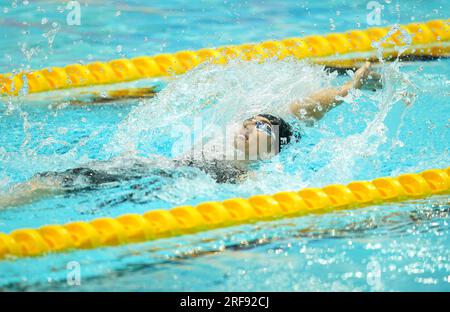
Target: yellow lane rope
205 216
428 39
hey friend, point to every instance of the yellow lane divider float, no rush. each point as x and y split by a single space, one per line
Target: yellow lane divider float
157 224
428 39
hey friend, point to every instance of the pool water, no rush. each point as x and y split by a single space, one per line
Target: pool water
402 128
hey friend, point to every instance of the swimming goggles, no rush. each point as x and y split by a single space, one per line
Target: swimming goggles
264 128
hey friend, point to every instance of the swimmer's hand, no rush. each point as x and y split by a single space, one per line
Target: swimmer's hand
361 75
366 79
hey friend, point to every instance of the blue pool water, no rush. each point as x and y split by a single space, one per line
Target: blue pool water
396 247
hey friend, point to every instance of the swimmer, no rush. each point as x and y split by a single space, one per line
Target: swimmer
267 132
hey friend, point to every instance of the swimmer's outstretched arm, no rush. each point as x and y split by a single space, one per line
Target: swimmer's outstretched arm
34 189
317 104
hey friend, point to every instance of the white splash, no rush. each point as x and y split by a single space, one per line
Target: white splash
228 93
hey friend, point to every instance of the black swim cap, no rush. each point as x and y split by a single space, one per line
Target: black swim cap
284 132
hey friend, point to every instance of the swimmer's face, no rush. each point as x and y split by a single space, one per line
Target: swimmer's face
255 137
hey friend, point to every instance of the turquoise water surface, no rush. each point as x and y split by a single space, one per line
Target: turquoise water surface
401 128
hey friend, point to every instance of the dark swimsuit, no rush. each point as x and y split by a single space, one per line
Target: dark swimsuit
84 178
222 171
